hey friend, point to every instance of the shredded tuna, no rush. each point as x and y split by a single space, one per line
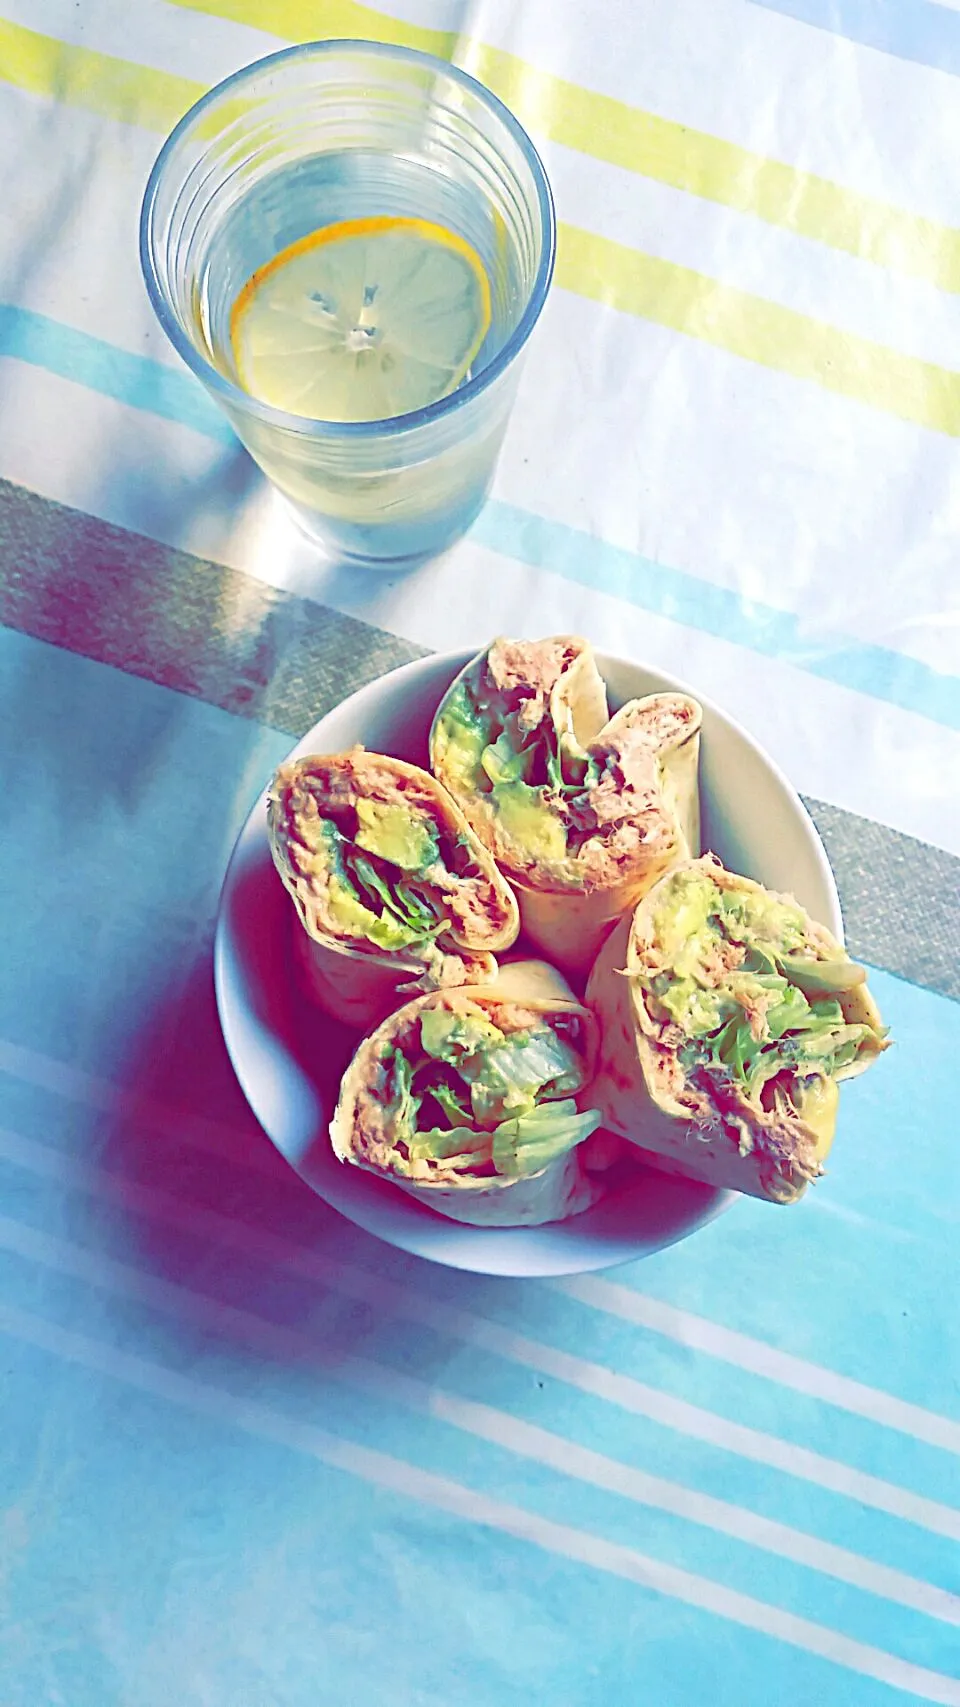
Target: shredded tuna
526 671
471 902
720 958
624 813
630 784
449 971
717 1103
756 1007
532 666
613 799
668 1073
778 1136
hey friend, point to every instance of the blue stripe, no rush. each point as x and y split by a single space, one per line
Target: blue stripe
135 380
909 29
569 552
685 598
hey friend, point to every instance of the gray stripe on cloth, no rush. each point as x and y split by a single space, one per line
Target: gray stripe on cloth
179 620
224 637
901 898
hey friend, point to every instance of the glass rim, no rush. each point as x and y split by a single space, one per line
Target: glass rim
234 395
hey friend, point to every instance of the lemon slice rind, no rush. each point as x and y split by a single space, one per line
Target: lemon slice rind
362 320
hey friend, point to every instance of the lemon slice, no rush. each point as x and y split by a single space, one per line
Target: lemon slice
362 320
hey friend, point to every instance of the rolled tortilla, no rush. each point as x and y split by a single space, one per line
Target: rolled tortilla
582 812
392 889
472 1101
728 1020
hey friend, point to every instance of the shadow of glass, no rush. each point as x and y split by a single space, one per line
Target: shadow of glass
173 507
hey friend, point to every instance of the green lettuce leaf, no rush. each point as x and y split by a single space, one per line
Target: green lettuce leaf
518 1147
459 1147
384 930
800 1037
545 757
399 1099
351 895
508 1079
791 995
461 710
527 1143
823 977
505 762
486 1085
395 897
464 731
571 770
455 1104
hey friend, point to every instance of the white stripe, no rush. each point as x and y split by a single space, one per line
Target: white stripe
871 121
600 1471
488 1423
410 1482
760 1359
693 1331
395 1299
185 44
215 1137
828 284
642 1400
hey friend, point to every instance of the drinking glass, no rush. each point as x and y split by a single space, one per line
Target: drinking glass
348 130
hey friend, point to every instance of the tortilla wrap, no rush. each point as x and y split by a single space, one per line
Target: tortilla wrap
728 1019
392 889
475 1102
583 812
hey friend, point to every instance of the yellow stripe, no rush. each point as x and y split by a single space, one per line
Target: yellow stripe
322 20
758 330
639 141
114 88
592 266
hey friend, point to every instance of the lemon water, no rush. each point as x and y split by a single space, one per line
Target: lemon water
391 497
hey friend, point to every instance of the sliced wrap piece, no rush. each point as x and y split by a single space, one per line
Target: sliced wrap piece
728 1020
582 812
475 1101
393 890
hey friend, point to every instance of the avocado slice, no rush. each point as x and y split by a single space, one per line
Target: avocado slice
463 732
528 821
394 831
393 928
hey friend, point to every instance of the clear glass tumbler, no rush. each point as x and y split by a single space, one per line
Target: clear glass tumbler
345 130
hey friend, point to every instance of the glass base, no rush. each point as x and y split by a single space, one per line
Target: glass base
422 544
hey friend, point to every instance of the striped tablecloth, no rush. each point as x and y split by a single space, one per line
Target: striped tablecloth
248 1456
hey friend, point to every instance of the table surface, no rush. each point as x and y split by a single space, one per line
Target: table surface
250 1457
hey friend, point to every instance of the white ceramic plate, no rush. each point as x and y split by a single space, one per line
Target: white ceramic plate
288 1056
